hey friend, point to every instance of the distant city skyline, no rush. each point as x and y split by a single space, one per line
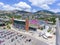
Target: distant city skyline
30 5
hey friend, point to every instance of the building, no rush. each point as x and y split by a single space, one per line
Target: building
24 25
2 24
20 24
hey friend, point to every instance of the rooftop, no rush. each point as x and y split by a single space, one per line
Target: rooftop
19 20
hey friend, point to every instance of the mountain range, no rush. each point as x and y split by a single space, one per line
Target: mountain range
41 12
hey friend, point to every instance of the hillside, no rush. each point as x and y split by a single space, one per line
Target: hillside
43 13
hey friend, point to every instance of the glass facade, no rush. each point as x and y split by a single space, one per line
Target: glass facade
19 24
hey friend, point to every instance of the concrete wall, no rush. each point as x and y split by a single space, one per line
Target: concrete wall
57 32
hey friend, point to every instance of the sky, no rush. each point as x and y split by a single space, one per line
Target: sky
30 5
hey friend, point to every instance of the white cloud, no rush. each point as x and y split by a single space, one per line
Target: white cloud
45 6
34 10
5 6
22 5
42 3
58 4
29 10
1 3
8 7
19 6
55 10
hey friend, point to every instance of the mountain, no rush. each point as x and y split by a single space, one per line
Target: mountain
19 12
41 12
44 12
38 14
58 13
16 12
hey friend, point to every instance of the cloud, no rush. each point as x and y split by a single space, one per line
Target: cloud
58 4
34 10
45 6
1 3
42 3
19 6
55 10
6 6
28 10
22 5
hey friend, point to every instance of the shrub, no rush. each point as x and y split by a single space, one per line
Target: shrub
48 30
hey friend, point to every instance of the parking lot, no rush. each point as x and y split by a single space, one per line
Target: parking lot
8 37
